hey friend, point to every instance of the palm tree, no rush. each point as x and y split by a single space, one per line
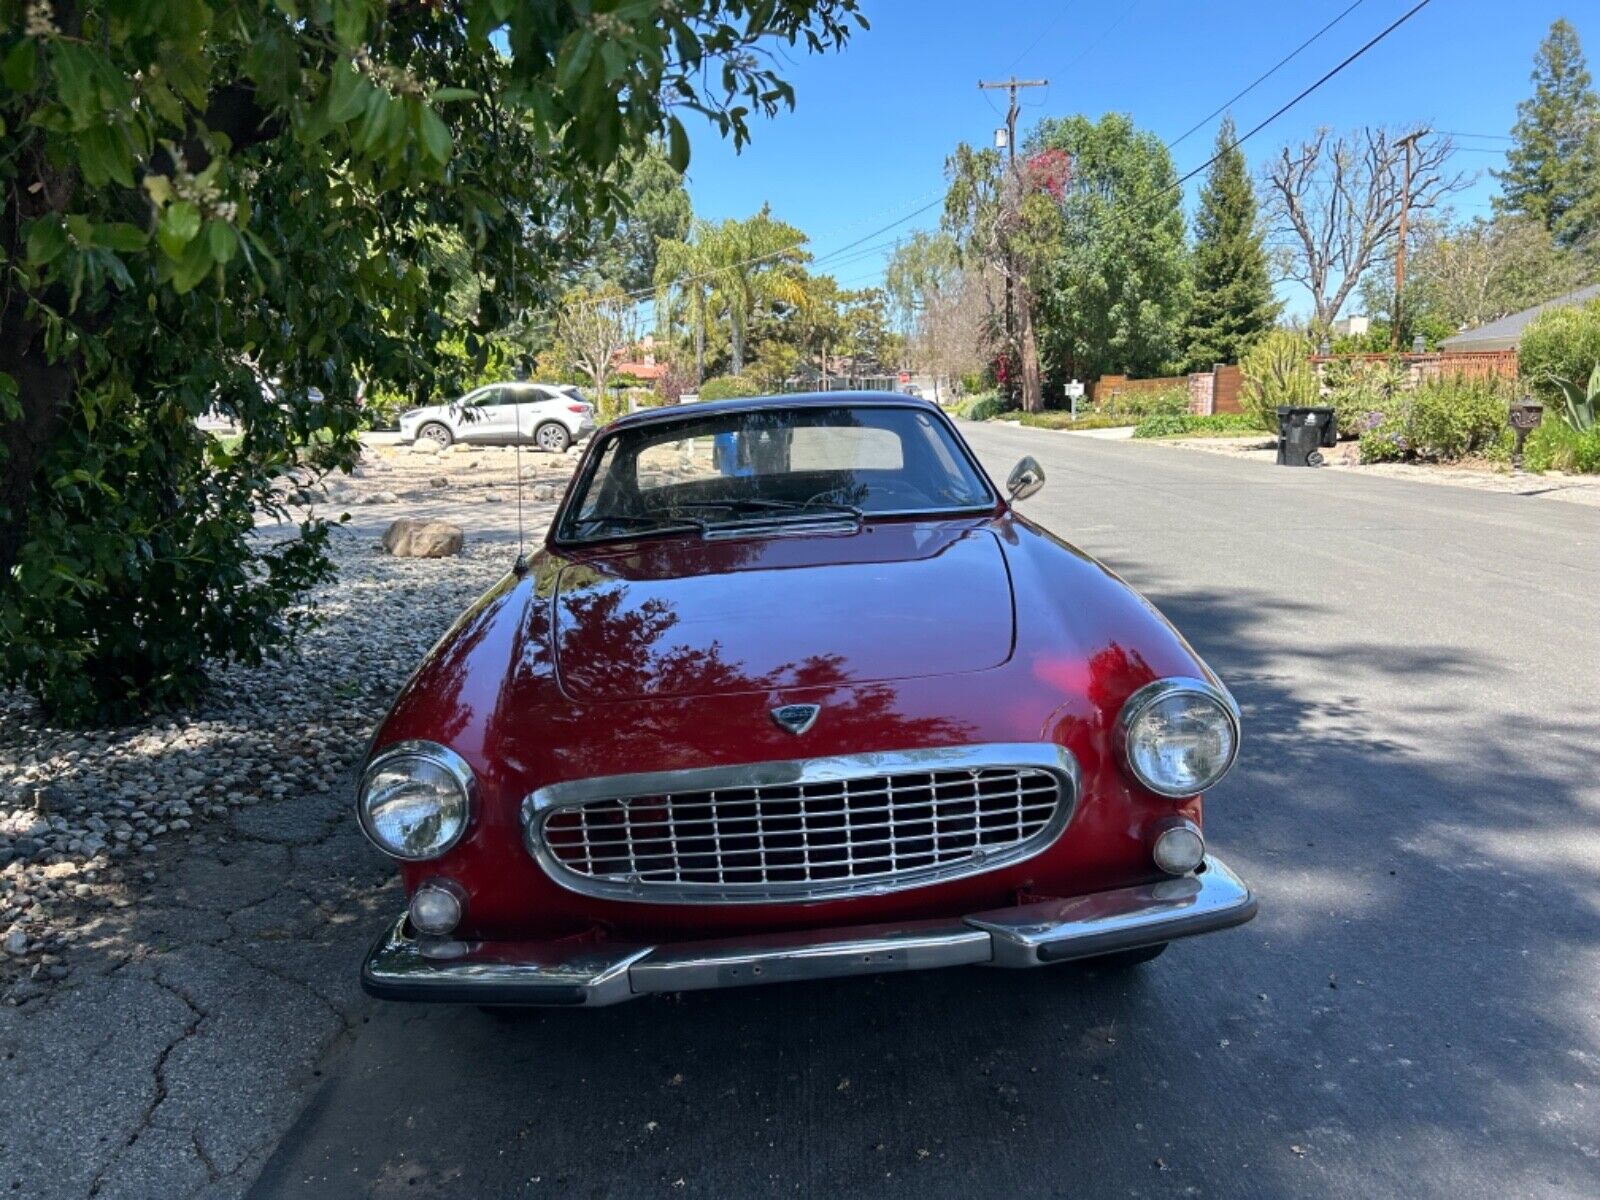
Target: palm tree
756 262
683 280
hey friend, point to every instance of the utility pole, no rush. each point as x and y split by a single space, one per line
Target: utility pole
1011 85
1408 142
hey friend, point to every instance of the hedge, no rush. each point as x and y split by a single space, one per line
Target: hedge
1195 425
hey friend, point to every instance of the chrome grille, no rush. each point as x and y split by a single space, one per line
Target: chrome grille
807 831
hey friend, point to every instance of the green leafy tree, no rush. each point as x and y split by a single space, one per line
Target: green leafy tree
920 268
658 210
753 262
235 203
683 281
1553 171
1233 301
1116 290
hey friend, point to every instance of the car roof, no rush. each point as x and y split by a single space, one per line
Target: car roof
670 412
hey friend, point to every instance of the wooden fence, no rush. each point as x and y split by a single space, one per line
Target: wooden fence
1444 364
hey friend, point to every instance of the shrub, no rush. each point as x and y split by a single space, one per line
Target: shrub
986 407
1174 399
1059 419
1276 372
1443 420
1563 342
729 387
1355 388
1555 446
1196 425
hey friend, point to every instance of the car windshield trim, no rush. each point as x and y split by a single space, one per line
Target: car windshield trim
562 529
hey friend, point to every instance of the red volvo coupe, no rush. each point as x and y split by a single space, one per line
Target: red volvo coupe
792 691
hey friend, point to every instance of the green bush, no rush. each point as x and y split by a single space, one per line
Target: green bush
1564 342
1060 419
729 387
983 407
1356 388
1195 425
1276 371
1443 420
1137 405
1556 446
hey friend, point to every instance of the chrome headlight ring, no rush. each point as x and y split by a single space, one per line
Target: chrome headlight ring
433 764
1145 702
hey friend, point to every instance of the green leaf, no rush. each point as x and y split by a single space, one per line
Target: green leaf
445 95
192 267
347 92
47 238
120 236
574 61
350 22
677 145
222 240
21 66
435 135
179 225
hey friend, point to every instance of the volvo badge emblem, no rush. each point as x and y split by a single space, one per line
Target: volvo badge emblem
796 718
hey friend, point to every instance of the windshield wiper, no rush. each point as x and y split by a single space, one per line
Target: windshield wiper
787 506
651 524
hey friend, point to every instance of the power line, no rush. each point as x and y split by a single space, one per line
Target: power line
1401 20
1226 104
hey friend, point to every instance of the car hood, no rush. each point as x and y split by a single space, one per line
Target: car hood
684 617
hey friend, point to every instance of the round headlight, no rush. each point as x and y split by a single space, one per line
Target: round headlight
1178 736
415 800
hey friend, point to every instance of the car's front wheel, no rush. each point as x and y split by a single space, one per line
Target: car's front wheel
553 437
1122 960
436 433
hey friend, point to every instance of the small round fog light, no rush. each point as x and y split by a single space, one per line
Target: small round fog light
1179 849
436 909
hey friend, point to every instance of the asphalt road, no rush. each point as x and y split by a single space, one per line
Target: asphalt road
1414 1013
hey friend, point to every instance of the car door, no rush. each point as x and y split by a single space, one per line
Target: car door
527 405
482 416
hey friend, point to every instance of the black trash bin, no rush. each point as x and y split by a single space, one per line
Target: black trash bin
1301 432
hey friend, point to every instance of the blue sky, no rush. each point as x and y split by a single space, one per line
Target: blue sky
867 140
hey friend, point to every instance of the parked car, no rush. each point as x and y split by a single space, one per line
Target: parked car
549 416
792 690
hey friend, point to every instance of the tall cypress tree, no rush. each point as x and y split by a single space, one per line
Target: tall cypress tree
1233 301
1553 171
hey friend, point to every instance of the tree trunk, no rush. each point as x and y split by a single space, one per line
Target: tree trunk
43 392
699 345
1032 386
736 337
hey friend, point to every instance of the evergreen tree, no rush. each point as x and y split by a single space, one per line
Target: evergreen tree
1553 172
1233 301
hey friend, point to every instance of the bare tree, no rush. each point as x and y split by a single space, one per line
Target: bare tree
1333 204
953 322
593 329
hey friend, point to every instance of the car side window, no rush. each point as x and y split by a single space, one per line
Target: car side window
484 397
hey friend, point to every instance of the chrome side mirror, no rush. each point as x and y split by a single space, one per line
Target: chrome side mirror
1026 478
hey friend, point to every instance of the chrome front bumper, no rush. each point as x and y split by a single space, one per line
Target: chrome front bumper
575 973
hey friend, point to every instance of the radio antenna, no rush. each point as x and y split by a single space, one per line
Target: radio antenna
520 567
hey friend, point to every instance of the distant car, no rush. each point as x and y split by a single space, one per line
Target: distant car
792 690
549 416
911 389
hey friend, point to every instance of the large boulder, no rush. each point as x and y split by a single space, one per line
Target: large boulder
411 538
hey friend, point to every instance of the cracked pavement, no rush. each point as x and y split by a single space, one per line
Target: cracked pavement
209 973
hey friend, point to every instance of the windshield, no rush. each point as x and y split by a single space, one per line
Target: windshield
722 471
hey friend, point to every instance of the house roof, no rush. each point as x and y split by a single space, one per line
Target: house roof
1505 333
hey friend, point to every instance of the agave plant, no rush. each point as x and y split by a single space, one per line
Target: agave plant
1581 401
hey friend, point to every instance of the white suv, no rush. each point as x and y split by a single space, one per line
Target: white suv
549 416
